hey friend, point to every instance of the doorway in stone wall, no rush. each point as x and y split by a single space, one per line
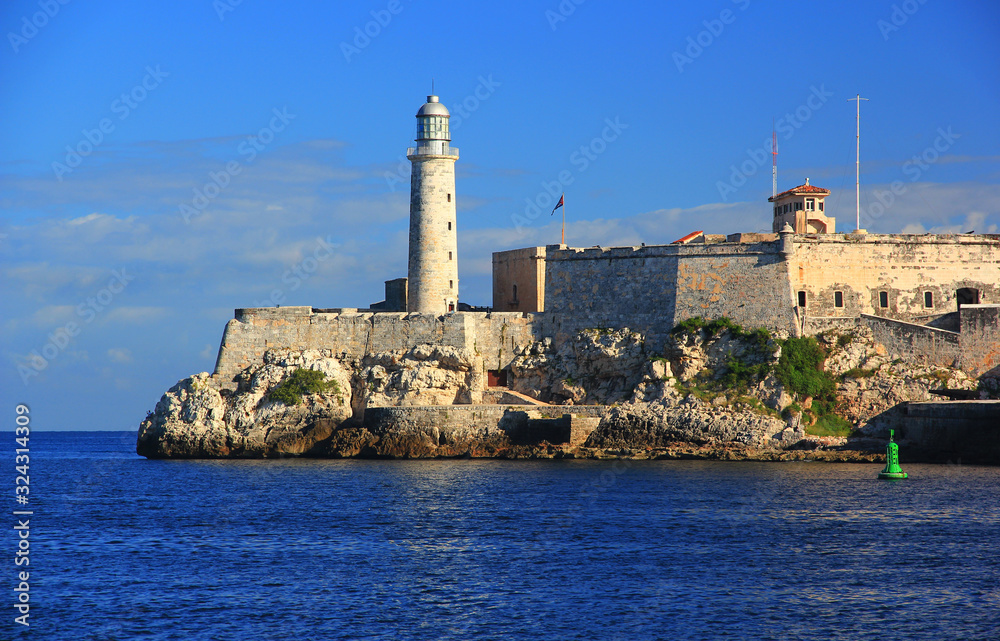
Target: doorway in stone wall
496 378
967 296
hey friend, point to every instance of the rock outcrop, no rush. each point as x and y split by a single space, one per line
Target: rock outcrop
711 392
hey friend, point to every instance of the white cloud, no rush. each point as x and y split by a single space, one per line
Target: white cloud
120 355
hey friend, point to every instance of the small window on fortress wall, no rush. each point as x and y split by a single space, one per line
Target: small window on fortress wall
802 299
449 226
928 300
838 299
449 197
883 299
449 255
821 205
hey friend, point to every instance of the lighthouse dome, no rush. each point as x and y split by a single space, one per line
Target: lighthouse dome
433 107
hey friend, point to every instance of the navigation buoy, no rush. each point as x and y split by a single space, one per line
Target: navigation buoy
892 469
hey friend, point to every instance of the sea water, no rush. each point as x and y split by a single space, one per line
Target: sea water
128 548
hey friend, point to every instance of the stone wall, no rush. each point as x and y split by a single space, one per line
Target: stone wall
651 289
975 349
903 266
521 271
916 344
801 283
498 424
980 339
497 337
962 431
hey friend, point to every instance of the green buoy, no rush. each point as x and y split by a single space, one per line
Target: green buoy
892 469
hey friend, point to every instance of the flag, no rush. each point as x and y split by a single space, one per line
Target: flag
559 204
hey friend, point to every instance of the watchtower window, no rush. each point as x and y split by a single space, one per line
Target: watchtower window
515 293
883 299
838 299
802 299
451 284
821 205
928 300
798 206
811 204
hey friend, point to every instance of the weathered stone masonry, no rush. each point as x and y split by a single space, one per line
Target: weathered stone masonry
496 337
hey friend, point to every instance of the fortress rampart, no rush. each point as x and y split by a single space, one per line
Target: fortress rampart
908 288
801 283
651 289
497 337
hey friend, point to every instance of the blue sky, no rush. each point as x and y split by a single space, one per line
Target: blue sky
165 163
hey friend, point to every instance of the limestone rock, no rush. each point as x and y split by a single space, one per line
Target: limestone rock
424 375
650 425
598 366
193 419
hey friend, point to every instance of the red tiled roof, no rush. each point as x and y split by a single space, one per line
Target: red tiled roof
687 238
801 189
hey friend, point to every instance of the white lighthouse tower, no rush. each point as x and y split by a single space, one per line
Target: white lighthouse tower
433 265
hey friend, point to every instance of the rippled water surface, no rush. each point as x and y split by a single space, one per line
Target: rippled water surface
125 548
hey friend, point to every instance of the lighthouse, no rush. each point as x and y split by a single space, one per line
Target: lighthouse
432 271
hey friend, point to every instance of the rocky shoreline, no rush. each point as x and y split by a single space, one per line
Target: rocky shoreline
715 393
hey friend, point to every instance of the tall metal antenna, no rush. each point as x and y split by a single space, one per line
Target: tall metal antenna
857 164
774 160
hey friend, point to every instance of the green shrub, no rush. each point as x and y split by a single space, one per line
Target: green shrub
713 328
691 325
800 368
739 375
844 339
830 425
858 372
302 381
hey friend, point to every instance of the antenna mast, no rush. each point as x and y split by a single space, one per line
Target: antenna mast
774 160
857 164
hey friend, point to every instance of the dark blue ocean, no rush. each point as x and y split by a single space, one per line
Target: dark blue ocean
125 548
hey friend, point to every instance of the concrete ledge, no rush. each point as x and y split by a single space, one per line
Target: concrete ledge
517 424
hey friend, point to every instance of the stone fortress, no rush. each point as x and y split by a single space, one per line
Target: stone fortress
929 298
421 374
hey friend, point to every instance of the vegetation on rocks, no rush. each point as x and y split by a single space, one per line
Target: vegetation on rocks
302 381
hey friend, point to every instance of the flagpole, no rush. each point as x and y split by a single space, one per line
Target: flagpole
563 242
